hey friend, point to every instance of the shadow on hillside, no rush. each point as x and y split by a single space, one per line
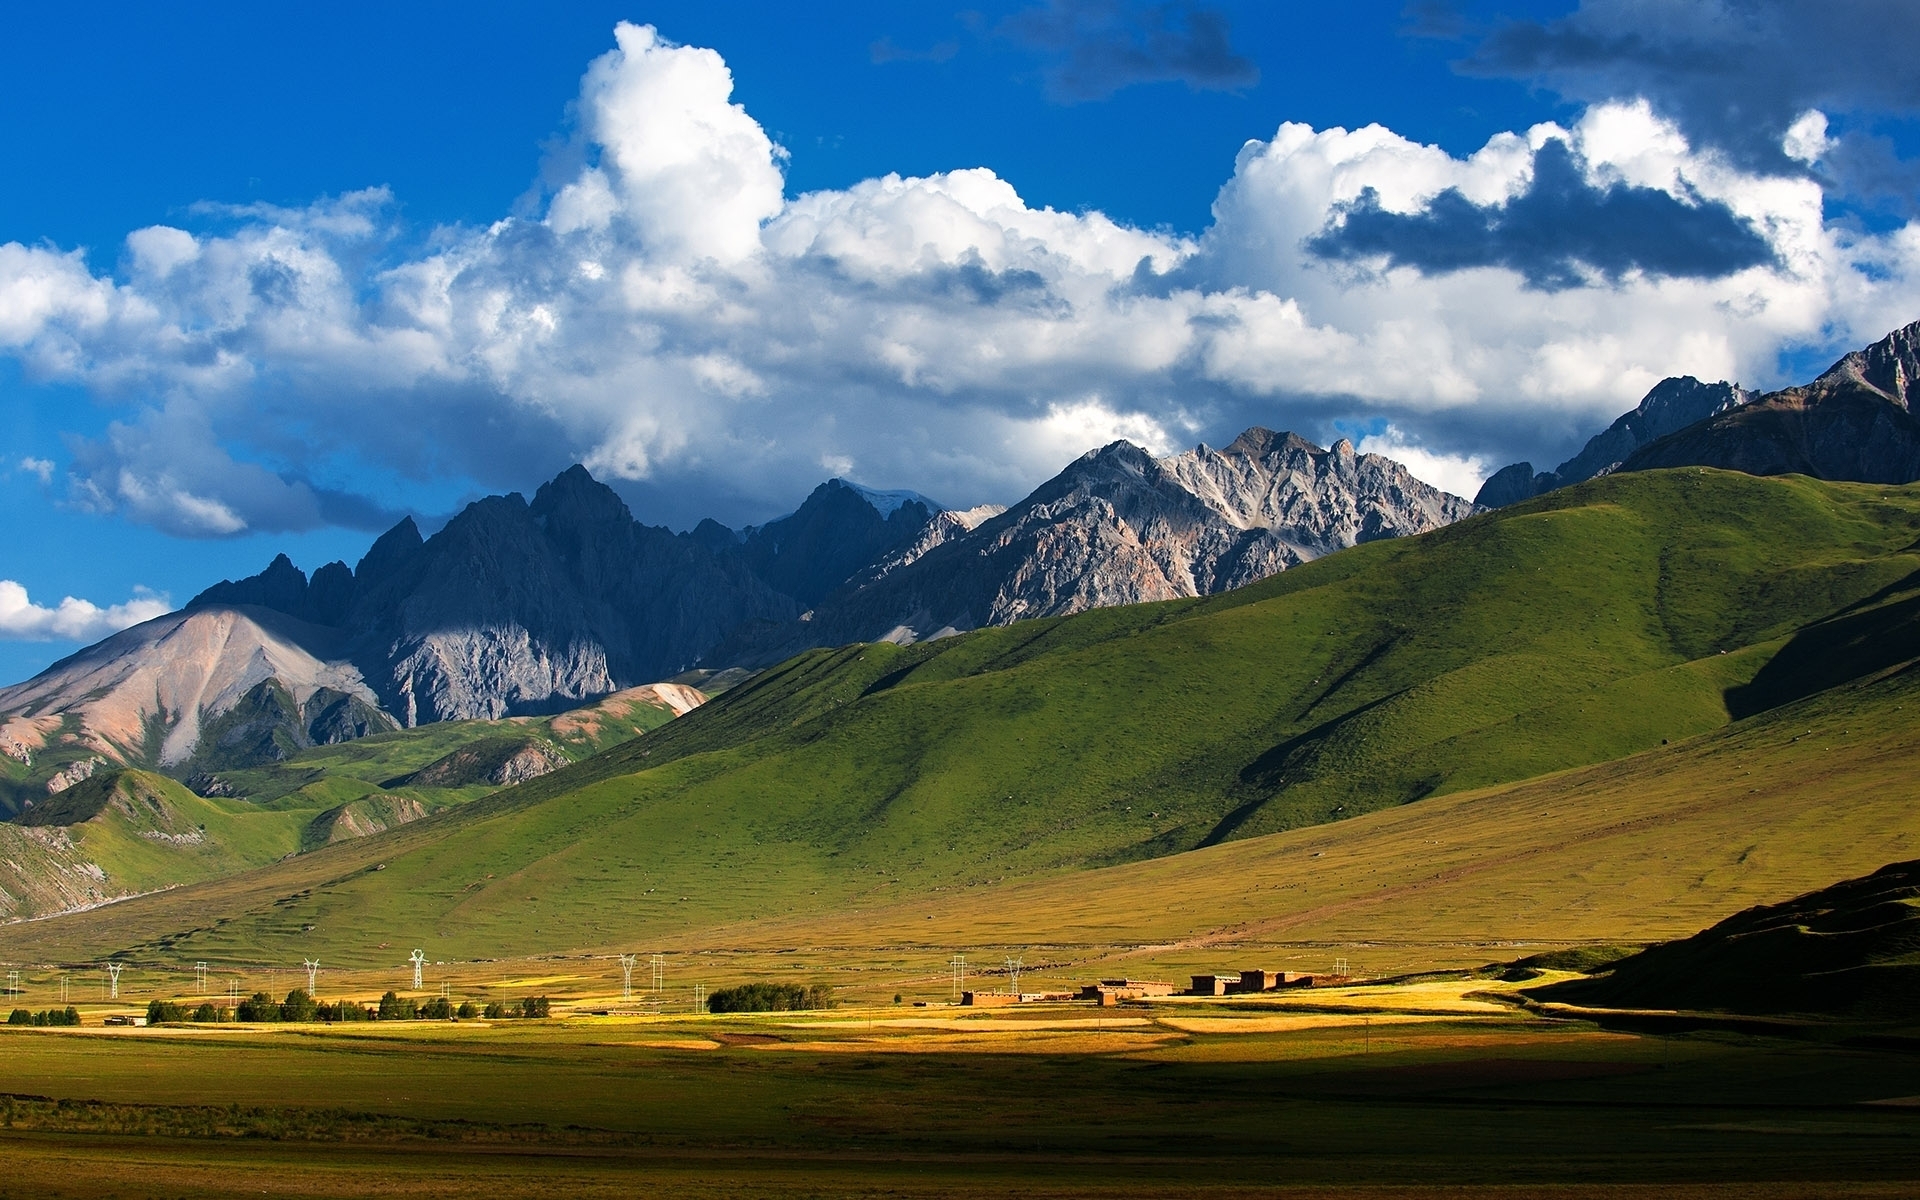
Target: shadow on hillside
1877 633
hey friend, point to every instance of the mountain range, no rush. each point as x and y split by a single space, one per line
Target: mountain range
519 607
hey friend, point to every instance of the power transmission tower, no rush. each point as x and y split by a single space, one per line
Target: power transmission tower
418 957
959 965
63 989
13 983
113 980
659 972
200 971
626 975
1340 966
699 997
1013 975
313 971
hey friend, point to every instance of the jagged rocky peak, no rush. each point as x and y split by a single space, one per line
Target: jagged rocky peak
1673 404
837 531
1855 422
1889 366
1120 526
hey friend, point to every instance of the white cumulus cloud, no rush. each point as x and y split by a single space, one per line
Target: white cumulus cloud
1461 475
669 316
73 619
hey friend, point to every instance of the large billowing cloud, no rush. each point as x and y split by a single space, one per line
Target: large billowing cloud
667 315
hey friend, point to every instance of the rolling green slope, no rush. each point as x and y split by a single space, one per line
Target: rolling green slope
126 832
1583 626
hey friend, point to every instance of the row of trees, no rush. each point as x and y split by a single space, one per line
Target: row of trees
48 1016
299 1006
770 997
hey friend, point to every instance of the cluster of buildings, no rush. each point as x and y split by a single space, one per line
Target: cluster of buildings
1114 991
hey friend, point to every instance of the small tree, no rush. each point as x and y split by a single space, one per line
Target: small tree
437 1009
467 1011
535 1006
257 1007
206 1014
299 1006
494 1011
393 1008
20 1016
162 1011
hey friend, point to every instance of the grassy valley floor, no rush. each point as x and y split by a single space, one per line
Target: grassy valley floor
1056 1101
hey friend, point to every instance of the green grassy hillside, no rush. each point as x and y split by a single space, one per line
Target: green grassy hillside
1584 626
125 832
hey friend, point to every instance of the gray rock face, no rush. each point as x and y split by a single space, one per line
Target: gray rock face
1671 406
1855 422
1122 527
1887 367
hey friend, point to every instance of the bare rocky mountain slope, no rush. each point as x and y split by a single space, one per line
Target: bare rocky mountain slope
156 692
1120 526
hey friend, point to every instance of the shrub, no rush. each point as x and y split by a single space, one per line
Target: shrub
770 997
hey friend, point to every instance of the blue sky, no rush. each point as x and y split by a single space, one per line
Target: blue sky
269 281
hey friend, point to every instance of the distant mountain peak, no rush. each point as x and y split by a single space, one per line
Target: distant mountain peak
1890 366
1668 407
886 503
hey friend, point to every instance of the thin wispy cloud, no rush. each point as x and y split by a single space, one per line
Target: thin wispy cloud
883 50
1094 48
